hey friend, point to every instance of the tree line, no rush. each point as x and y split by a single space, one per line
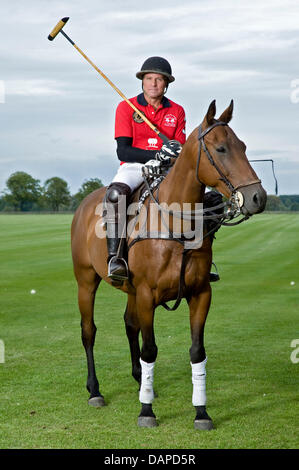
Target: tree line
24 193
283 203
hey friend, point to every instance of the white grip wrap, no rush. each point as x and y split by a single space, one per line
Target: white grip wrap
146 394
199 383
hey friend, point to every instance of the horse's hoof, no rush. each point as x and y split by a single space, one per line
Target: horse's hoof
147 422
203 424
97 402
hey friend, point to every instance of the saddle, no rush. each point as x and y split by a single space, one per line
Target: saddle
212 199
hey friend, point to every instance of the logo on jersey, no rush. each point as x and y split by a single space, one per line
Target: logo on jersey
137 118
170 120
152 144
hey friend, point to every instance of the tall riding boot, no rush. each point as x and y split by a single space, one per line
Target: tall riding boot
116 200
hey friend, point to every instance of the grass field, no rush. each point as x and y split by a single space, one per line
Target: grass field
252 384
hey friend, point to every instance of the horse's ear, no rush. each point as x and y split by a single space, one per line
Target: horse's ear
227 115
211 113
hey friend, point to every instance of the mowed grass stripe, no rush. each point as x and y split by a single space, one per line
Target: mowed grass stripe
252 383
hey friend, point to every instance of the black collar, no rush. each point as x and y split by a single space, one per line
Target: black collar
141 100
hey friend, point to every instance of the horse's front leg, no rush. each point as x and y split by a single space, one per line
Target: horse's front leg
132 330
199 307
149 351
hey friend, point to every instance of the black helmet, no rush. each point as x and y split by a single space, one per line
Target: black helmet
156 65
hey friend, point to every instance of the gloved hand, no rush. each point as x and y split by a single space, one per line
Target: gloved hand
152 168
170 150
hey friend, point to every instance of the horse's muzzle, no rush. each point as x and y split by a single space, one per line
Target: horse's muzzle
255 198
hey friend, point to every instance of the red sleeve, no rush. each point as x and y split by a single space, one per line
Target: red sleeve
180 132
123 121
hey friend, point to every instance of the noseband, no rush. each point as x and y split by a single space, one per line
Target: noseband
233 189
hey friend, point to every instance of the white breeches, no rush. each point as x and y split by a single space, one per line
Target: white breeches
130 174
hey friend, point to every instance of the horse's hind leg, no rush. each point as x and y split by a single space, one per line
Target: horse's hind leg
132 330
87 287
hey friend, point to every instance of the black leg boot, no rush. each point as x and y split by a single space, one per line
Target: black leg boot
115 219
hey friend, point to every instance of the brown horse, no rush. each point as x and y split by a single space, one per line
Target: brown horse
212 156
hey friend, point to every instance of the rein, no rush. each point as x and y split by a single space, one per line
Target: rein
234 208
233 204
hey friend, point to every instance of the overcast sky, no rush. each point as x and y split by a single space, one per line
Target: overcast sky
57 113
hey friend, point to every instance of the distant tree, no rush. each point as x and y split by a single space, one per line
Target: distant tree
88 186
274 203
288 200
2 203
23 191
56 192
294 206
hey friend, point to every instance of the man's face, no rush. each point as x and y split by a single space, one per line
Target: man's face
153 85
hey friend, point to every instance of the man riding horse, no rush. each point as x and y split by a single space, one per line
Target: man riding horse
139 146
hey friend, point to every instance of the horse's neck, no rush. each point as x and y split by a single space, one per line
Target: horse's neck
181 184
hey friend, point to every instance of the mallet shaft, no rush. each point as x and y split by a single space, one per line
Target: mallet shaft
162 136
67 37
58 29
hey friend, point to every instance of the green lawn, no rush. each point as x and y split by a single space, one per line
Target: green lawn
252 384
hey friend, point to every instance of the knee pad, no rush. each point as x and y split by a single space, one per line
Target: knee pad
117 189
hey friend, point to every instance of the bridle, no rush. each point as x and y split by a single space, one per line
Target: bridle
233 205
235 201
202 145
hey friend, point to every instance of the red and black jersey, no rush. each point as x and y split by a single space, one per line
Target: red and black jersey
169 118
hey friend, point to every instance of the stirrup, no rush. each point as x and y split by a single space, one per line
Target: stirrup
214 277
118 276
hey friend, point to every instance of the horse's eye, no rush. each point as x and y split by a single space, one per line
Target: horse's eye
221 149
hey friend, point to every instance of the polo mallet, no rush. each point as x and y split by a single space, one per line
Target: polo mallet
58 29
272 161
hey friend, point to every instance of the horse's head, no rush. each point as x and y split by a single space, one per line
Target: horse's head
222 162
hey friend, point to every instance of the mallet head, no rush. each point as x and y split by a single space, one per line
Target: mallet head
58 28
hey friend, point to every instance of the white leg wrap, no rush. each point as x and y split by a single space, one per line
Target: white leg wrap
199 383
146 394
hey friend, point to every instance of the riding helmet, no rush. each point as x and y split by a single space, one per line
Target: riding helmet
156 65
